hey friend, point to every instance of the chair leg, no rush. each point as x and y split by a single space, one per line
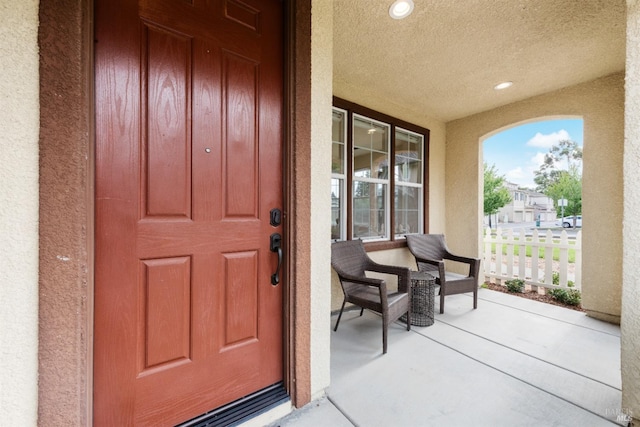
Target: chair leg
339 315
475 298
384 335
361 311
441 301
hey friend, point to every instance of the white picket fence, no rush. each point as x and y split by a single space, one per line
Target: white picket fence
535 270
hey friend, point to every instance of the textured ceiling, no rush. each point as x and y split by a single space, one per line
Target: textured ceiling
445 58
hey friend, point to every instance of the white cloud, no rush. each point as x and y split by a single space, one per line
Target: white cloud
515 175
523 177
549 140
537 160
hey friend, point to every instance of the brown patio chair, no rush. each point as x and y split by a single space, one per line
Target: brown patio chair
350 261
430 252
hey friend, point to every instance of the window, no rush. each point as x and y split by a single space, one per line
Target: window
338 174
370 158
408 182
378 180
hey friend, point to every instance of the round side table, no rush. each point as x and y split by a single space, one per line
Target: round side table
422 299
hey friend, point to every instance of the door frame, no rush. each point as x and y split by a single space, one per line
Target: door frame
67 174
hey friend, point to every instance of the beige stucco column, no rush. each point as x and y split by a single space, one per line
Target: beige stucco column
321 99
19 118
631 221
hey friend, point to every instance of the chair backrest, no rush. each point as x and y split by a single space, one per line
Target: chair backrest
430 246
349 257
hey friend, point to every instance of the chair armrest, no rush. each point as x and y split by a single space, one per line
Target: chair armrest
438 263
403 273
368 281
428 261
474 263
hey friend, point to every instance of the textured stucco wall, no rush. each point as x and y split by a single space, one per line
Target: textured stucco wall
321 84
631 241
66 200
601 105
19 118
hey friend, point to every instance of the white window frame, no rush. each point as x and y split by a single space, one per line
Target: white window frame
384 234
412 184
385 182
341 177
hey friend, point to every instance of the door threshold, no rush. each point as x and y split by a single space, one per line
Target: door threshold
245 409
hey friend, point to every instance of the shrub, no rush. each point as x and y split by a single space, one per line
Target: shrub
556 280
515 285
566 296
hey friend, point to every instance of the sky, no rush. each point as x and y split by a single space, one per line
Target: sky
519 151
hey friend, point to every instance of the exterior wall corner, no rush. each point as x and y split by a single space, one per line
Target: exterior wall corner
19 206
66 215
630 321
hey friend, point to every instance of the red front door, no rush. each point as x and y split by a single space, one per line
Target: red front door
188 167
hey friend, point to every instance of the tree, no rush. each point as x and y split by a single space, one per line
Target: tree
495 194
550 171
562 183
568 186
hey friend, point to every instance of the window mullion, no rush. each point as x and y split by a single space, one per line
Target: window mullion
349 192
392 183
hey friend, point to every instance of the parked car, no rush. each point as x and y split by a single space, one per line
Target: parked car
567 221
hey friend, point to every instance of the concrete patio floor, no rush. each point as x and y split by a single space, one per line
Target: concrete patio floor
511 362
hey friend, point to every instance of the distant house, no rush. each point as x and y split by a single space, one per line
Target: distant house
526 206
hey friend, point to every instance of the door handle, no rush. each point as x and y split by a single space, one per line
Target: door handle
276 246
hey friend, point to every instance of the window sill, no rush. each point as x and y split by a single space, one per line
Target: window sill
386 245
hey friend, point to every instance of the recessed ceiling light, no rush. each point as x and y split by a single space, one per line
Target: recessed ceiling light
401 9
503 85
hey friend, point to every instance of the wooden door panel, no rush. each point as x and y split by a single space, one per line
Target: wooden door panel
232 19
241 297
188 166
240 76
243 14
166 101
165 312
207 136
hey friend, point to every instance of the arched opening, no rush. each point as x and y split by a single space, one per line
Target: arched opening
533 205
